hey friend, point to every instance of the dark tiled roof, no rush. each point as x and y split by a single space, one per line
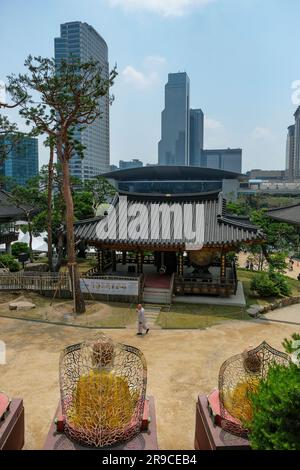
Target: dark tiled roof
288 214
170 172
219 227
8 210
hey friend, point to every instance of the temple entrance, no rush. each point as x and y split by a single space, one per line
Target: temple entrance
166 262
157 281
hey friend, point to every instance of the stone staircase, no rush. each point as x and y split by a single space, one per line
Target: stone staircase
151 314
157 295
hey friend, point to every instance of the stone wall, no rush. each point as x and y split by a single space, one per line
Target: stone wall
257 310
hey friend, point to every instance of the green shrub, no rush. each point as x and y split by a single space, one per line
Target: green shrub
270 285
276 410
281 283
278 262
264 286
19 247
292 346
8 261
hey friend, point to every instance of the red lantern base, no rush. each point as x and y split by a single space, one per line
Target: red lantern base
146 440
12 426
210 436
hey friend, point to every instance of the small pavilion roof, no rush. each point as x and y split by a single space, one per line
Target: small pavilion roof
9 212
289 214
220 228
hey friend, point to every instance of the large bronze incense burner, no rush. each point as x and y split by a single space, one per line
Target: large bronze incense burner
103 387
240 376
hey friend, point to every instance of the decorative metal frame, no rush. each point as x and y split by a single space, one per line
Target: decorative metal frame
249 367
98 364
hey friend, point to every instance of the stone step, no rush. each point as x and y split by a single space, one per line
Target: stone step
152 308
157 290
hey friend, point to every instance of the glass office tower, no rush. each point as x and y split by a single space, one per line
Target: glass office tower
22 160
196 136
80 40
174 146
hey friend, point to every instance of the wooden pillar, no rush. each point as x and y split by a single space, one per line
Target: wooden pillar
180 264
139 260
124 257
100 261
223 268
114 261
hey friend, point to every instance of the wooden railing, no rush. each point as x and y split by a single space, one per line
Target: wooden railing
35 281
207 285
58 283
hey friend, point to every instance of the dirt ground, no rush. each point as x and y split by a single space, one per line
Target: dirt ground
181 364
99 314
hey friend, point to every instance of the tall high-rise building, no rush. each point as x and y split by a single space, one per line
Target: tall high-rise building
80 40
196 136
290 153
296 172
22 159
182 132
293 149
174 146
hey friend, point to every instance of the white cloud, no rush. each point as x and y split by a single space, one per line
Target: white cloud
154 61
146 77
161 7
261 133
210 123
137 78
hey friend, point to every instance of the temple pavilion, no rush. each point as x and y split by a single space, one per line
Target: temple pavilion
182 243
9 214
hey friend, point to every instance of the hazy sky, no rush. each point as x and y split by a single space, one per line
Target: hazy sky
241 56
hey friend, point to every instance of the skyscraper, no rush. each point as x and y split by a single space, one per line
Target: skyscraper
290 152
80 40
196 137
22 159
182 132
174 146
296 173
293 149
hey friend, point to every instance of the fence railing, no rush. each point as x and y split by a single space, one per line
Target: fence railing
34 281
56 282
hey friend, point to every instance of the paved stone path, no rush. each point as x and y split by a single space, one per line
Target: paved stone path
289 315
180 364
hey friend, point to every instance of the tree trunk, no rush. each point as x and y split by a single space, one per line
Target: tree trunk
266 253
59 251
30 240
79 305
49 206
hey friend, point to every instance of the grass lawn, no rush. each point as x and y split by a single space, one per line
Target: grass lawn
98 314
199 316
108 315
120 315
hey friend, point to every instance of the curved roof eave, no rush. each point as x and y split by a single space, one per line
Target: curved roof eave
163 172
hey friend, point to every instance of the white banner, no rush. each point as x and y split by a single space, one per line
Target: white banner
111 287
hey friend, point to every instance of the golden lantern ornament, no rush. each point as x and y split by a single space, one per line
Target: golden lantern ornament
103 389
